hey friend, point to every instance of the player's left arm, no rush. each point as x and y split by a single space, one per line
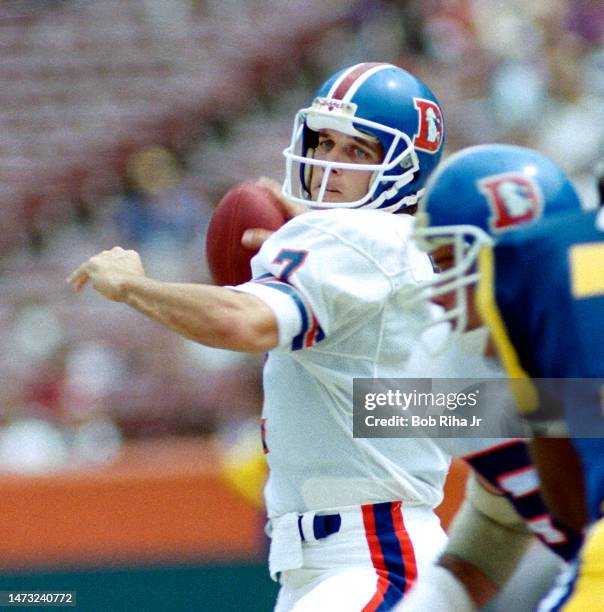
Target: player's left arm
214 316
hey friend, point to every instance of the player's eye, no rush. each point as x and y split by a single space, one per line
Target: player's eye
360 154
325 145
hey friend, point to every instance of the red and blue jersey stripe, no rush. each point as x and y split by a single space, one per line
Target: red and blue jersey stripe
311 331
391 552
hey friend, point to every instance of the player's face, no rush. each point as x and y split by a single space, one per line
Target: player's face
344 185
444 259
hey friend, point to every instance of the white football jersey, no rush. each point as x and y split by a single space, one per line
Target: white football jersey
338 282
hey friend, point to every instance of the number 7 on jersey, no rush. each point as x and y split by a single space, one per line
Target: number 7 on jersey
292 259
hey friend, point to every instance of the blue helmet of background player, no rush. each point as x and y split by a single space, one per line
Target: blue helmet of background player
478 195
381 103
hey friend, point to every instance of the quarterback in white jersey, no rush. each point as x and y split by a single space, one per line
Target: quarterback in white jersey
340 302
330 300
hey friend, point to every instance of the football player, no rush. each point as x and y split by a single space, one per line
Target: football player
569 251
499 190
328 303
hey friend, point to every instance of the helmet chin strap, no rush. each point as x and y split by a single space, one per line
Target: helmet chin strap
401 204
392 191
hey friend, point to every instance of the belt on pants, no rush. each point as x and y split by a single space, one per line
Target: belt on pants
290 531
314 527
293 534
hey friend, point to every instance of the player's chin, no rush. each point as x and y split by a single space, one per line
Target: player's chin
329 196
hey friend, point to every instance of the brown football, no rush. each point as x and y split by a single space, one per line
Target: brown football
244 206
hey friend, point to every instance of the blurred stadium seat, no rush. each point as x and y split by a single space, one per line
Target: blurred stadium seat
82 78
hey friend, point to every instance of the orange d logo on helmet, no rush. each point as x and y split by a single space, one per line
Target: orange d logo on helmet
513 199
430 127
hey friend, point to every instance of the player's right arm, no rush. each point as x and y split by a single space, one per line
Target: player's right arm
215 316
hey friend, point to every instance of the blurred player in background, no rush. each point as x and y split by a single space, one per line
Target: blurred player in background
328 300
563 258
548 321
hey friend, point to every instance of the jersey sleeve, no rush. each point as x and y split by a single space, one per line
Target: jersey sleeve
316 278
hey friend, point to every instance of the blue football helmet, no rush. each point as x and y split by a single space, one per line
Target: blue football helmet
381 103
478 195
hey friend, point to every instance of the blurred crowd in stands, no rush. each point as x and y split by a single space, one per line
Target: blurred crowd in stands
123 122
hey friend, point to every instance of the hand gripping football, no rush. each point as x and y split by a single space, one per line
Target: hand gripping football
245 206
